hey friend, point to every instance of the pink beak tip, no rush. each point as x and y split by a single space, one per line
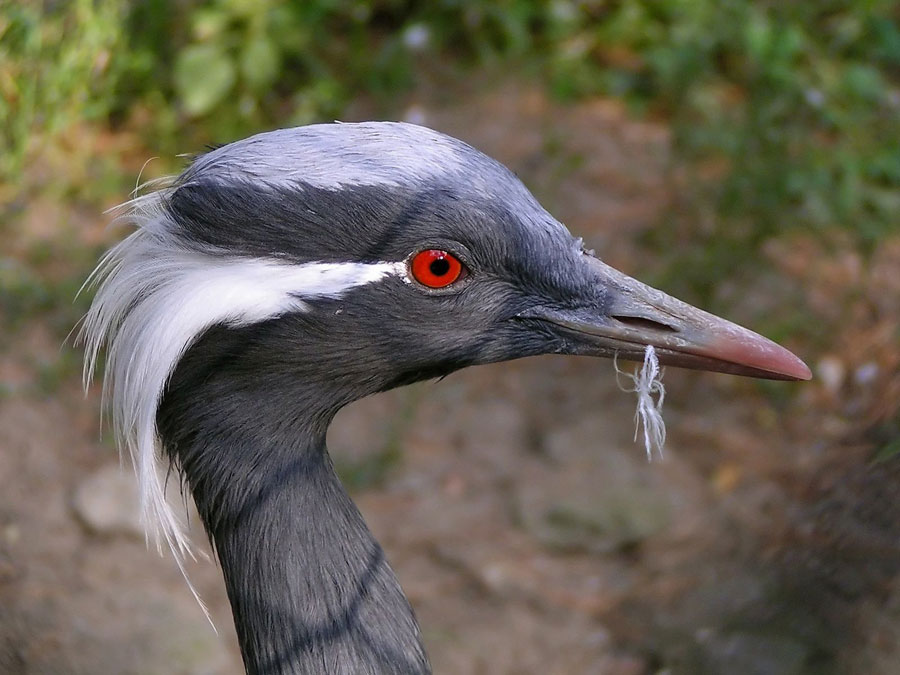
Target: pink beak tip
759 352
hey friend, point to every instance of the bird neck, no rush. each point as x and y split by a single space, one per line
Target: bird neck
310 589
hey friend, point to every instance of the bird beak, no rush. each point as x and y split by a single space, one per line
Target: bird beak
631 315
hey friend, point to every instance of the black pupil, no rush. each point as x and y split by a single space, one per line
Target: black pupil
439 267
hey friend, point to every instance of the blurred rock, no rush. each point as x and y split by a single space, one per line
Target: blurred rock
752 654
831 372
188 647
107 503
605 522
56 637
570 508
415 114
866 374
417 37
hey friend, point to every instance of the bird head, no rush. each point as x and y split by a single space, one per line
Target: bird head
431 256
362 257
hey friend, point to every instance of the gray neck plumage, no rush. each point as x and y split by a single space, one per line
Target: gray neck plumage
309 586
310 589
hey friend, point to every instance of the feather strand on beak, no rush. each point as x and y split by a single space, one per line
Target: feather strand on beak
647 382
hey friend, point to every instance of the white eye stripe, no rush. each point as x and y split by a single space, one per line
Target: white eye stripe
154 299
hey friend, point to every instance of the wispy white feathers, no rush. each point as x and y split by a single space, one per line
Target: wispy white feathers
647 383
155 297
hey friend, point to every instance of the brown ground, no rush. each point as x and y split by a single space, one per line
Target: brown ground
526 526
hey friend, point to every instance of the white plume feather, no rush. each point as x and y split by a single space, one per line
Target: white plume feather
155 296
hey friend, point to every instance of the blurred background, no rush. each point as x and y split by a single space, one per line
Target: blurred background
742 155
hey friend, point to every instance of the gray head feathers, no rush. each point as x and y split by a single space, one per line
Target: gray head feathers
335 156
161 288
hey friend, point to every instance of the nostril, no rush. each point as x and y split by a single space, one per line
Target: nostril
644 323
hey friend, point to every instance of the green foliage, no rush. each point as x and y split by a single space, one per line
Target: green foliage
886 439
890 450
240 65
59 64
203 77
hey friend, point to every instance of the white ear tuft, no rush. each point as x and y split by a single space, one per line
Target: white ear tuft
156 295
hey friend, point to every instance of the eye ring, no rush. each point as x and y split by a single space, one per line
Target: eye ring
434 268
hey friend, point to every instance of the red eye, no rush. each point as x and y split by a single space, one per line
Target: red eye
436 269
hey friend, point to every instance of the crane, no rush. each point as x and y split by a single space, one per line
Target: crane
283 276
